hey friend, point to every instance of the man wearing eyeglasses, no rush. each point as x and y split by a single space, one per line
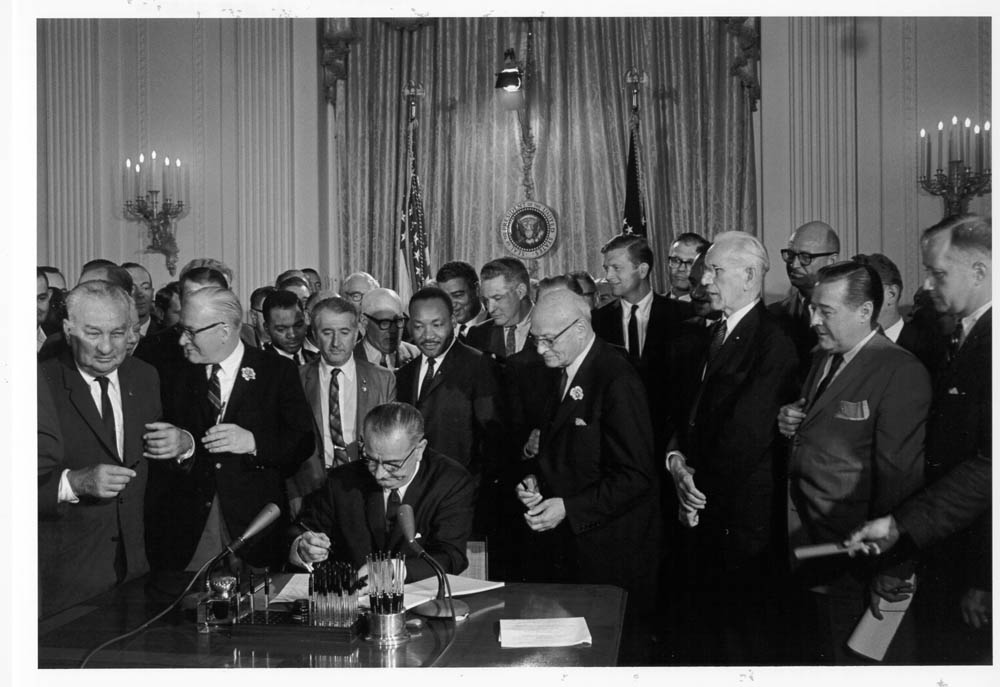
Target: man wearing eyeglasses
355 513
810 247
252 428
683 252
356 285
382 323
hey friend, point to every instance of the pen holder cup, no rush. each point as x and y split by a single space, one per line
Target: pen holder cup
387 629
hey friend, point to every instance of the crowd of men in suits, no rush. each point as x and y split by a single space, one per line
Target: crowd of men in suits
681 446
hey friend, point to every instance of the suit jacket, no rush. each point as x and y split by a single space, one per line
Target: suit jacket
732 440
463 408
792 314
376 385
596 454
404 354
858 453
77 542
959 461
665 316
350 509
925 342
267 400
489 338
162 350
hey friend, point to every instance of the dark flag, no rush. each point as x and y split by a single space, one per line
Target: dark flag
412 260
634 221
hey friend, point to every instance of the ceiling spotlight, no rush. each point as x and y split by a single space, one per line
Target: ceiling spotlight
509 78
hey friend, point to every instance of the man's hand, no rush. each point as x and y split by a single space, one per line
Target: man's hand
975 606
687 517
790 417
164 441
229 438
103 481
688 494
877 536
530 449
528 493
889 588
313 547
546 515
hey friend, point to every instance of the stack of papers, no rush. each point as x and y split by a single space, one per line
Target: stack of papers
516 633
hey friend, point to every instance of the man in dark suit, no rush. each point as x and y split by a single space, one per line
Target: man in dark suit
810 247
949 521
252 426
355 512
857 448
459 280
506 288
341 390
725 463
94 403
285 322
640 321
594 498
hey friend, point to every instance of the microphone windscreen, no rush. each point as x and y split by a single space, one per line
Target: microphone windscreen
264 518
406 524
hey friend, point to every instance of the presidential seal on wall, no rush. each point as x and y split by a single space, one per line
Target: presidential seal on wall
528 229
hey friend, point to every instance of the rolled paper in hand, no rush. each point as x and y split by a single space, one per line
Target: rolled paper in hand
821 550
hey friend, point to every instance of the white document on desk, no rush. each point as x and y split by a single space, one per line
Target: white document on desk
521 633
872 636
414 593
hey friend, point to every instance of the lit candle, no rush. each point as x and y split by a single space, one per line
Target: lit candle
139 183
153 181
966 149
921 161
987 152
166 178
125 178
953 151
182 175
941 160
977 150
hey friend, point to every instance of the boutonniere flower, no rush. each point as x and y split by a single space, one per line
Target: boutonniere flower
248 374
576 393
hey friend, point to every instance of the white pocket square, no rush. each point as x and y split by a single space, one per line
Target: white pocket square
579 422
953 391
853 410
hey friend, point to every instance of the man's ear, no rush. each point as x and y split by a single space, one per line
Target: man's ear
521 290
643 269
980 272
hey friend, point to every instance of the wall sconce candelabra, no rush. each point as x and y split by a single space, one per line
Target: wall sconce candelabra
963 164
155 194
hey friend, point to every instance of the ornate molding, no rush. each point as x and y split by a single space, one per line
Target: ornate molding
745 65
334 51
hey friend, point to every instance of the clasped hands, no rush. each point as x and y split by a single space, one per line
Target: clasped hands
691 499
542 514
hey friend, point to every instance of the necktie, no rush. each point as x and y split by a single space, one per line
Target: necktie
384 362
427 380
956 341
298 357
215 391
563 383
718 338
336 426
633 333
510 345
108 415
461 331
835 364
391 513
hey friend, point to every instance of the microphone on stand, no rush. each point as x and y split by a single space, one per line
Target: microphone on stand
267 515
444 606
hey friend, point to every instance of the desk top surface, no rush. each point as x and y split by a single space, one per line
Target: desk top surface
173 641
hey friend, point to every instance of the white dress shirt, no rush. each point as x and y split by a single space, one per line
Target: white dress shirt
848 357
374 356
642 318
574 366
735 318
66 493
521 331
969 321
348 398
892 333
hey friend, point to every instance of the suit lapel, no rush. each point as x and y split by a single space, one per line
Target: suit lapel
80 396
619 335
375 514
414 493
240 387
364 397
848 373
736 342
568 405
131 422
313 391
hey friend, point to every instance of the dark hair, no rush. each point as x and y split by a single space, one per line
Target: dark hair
205 275
638 248
135 265
389 417
886 268
48 269
561 280
280 300
458 270
292 281
511 269
583 276
309 269
969 233
334 304
95 263
863 284
166 293
259 294
40 274
118 276
429 293
689 238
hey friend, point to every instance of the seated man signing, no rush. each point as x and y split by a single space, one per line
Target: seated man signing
354 513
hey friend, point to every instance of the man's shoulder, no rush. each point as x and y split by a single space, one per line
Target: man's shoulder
442 468
139 370
370 370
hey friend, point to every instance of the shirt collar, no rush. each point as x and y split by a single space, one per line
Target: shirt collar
735 318
525 322
849 356
232 361
574 366
894 330
374 355
348 369
645 305
969 321
89 378
439 359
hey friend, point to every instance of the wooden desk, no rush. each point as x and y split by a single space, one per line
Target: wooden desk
173 642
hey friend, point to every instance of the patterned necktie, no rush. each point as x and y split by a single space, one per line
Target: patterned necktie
718 338
336 426
510 345
427 380
633 333
391 513
384 362
955 342
835 362
563 383
215 391
108 415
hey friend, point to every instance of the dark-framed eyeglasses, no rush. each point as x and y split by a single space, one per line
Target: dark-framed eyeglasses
678 262
388 323
191 333
550 341
805 259
355 296
391 466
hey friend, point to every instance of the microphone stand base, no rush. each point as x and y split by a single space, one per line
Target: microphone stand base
440 608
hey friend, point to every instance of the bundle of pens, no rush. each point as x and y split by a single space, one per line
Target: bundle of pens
385 583
333 594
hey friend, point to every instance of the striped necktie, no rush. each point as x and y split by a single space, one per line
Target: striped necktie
215 391
336 424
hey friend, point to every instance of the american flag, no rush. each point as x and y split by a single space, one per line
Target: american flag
412 269
634 221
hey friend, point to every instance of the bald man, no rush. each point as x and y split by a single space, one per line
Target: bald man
383 320
593 501
812 246
356 285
